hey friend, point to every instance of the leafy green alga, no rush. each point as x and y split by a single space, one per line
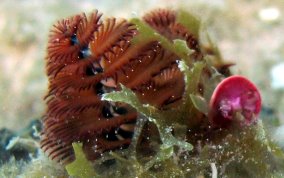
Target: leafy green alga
81 167
191 22
148 34
153 114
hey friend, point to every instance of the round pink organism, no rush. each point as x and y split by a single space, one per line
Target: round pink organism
234 94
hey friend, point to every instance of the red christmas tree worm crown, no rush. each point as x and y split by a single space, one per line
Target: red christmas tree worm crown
88 56
234 94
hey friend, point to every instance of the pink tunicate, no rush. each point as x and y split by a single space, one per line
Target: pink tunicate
233 95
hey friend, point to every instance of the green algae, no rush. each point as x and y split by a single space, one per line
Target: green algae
200 103
151 113
81 167
191 22
147 34
189 112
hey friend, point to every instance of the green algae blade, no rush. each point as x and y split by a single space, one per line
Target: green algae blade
148 34
181 49
128 96
151 113
200 103
191 22
81 167
154 115
192 78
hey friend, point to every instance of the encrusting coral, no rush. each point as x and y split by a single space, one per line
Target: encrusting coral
143 86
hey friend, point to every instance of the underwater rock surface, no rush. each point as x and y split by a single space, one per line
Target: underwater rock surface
11 146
